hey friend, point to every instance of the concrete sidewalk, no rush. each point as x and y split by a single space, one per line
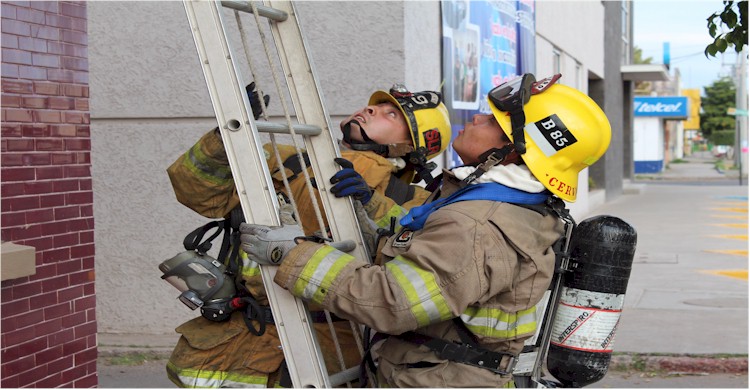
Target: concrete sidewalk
687 297
686 307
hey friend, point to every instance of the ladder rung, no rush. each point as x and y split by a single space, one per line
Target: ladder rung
345 376
271 127
264 11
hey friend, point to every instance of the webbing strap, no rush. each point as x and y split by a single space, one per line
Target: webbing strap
193 240
293 164
417 216
501 363
399 191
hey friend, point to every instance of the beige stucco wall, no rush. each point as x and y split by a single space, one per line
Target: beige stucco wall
576 29
149 103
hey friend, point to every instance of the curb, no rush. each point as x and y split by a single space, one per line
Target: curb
694 364
157 346
680 364
153 353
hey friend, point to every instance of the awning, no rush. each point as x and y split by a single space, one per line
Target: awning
644 72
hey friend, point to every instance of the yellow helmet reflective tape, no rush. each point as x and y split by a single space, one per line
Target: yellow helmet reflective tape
427 117
565 132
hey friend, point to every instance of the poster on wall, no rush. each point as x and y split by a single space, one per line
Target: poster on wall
485 43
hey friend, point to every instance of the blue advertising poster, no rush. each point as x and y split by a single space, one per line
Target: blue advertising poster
485 43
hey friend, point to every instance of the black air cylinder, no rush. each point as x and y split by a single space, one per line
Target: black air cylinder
591 300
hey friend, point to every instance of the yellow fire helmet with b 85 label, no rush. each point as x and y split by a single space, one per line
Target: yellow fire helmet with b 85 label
564 130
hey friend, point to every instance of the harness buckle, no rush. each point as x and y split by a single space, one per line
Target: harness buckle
479 357
512 361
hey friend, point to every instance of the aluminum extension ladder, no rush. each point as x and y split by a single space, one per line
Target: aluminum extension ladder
240 133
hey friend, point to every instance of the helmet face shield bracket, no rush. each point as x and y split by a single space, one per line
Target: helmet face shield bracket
511 97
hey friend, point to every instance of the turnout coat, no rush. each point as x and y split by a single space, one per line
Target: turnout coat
226 354
485 262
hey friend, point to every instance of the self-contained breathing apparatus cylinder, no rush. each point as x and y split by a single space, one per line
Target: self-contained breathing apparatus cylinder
591 300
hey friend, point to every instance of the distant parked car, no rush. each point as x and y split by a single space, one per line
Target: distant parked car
722 151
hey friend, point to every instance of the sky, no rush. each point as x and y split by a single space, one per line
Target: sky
683 25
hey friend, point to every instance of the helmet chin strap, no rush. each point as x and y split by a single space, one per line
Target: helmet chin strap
385 150
367 144
418 158
489 159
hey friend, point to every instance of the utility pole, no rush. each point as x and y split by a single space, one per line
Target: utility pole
741 104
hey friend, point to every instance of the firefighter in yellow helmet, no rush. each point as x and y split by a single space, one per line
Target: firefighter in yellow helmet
391 140
455 298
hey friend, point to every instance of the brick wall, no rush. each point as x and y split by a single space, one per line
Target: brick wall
48 319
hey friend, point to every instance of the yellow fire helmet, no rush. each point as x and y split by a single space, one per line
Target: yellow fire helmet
426 115
564 130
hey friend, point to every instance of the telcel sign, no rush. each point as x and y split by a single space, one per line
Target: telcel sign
663 106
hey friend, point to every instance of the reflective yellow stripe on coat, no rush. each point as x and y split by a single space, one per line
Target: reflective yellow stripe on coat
249 268
188 377
396 212
206 167
318 274
490 322
425 298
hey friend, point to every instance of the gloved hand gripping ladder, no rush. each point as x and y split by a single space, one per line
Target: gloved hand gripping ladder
239 132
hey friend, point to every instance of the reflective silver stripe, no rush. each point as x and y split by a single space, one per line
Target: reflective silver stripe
499 324
191 377
215 383
203 165
320 272
249 267
427 302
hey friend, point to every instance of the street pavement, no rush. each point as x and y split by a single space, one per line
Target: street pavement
688 287
685 314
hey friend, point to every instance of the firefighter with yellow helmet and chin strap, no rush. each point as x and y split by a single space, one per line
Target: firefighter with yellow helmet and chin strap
455 298
390 140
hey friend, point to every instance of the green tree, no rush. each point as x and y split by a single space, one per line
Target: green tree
638 56
728 28
641 87
716 125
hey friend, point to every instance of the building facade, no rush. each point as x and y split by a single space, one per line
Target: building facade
48 291
149 104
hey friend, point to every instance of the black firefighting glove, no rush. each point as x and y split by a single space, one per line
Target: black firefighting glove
254 96
348 182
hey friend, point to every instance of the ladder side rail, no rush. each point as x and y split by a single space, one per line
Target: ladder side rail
295 60
259 204
528 358
308 104
556 292
528 370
